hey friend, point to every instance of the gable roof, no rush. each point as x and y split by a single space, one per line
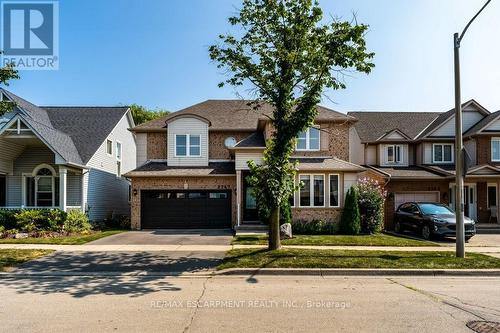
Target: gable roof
87 126
254 140
482 124
443 117
75 133
373 125
233 115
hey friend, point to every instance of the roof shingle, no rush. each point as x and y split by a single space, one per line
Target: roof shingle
234 115
373 125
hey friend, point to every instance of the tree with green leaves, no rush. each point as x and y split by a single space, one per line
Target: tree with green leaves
290 56
350 222
7 73
142 115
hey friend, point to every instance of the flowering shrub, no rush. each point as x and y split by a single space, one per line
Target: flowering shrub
371 198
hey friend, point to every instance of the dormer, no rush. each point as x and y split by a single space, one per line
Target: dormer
187 140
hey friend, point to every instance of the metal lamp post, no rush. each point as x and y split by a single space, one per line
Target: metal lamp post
459 153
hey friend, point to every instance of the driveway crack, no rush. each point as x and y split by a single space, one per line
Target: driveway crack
195 310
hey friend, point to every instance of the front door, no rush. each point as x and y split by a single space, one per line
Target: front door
3 190
469 198
250 205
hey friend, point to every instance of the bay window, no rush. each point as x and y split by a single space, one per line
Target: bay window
393 154
312 194
334 191
442 153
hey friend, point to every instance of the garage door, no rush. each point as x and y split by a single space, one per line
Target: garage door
185 209
400 198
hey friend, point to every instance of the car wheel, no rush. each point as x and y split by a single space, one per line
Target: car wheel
467 239
397 227
426 232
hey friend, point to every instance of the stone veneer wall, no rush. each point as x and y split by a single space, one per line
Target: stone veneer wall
157 146
217 149
338 141
171 183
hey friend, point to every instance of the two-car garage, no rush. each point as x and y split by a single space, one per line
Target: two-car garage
185 209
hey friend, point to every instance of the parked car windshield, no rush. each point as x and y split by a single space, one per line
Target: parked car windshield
432 209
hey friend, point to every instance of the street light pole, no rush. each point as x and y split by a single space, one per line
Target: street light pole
459 154
459 179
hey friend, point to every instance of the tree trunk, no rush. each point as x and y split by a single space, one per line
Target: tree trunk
274 229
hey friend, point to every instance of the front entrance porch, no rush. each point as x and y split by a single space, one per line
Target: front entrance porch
480 199
32 180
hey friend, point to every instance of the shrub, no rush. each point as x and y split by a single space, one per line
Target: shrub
55 219
313 227
350 221
8 219
371 197
124 222
77 221
30 220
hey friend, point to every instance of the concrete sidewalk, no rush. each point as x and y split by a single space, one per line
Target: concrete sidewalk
223 248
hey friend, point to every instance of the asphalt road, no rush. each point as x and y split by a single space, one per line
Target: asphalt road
246 304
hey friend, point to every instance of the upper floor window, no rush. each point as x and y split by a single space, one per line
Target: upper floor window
495 149
187 145
442 153
109 147
118 151
308 139
393 154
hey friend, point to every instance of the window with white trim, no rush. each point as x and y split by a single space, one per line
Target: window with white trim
312 194
187 145
442 153
109 147
393 154
495 149
309 139
334 190
118 151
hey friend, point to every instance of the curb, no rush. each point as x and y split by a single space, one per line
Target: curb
358 272
141 274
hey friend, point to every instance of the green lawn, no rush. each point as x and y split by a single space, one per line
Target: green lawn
302 258
341 240
66 240
11 257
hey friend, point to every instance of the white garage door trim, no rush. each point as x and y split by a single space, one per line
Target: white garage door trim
415 196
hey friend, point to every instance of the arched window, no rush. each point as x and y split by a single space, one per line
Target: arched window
41 188
44 184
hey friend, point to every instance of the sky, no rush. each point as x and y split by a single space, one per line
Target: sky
155 53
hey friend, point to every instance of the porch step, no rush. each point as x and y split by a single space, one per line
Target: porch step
488 228
247 228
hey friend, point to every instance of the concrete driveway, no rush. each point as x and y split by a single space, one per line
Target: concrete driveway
138 252
169 237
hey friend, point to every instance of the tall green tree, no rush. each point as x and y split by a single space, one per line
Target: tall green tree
290 56
142 115
7 73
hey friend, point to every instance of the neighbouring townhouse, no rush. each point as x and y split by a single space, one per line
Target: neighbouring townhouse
413 153
192 166
66 157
